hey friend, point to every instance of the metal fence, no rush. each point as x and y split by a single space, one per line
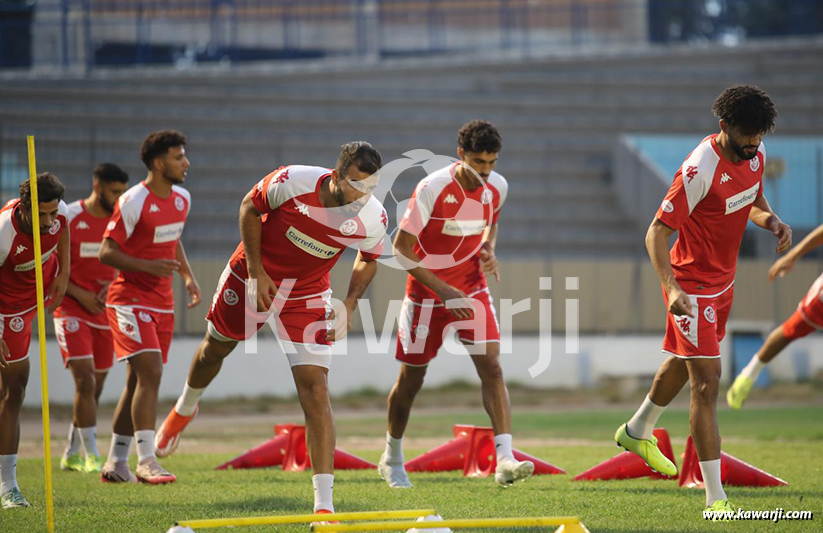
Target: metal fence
85 34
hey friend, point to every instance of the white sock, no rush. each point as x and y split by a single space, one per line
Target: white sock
642 423
74 441
503 446
753 369
89 437
394 449
120 447
711 479
323 486
187 402
145 444
8 472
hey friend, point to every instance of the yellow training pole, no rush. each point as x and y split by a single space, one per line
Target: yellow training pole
304 518
41 330
461 523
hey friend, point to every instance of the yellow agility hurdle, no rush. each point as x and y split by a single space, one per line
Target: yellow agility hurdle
304 518
568 524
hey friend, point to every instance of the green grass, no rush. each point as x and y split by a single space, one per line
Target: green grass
787 442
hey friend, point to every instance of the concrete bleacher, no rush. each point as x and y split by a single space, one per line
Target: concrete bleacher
560 117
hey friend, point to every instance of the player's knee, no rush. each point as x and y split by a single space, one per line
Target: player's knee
490 372
13 395
86 384
213 351
411 380
705 387
149 377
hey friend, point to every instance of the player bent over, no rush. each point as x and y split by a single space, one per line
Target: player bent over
18 306
294 225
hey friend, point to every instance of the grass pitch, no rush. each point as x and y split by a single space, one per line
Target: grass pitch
785 441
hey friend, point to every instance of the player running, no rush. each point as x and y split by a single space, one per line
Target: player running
18 306
142 241
80 323
452 214
294 225
807 318
716 191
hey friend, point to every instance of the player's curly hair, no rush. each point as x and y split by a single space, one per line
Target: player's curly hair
479 136
361 154
747 108
157 144
49 189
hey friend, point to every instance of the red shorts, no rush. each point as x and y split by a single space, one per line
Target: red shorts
420 334
234 317
79 339
136 330
809 314
700 336
15 330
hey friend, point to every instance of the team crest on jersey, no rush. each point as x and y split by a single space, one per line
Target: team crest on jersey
421 331
16 324
72 325
144 316
82 225
348 227
230 297
55 227
754 163
111 225
179 203
486 197
709 315
667 206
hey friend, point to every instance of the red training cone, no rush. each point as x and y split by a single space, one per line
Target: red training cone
446 457
627 465
540 467
481 459
270 453
288 448
346 461
733 471
297 456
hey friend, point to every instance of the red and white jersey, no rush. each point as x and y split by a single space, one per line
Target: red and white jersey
147 227
17 276
87 272
709 204
451 223
302 240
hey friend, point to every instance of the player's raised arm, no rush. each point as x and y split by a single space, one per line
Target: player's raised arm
404 246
